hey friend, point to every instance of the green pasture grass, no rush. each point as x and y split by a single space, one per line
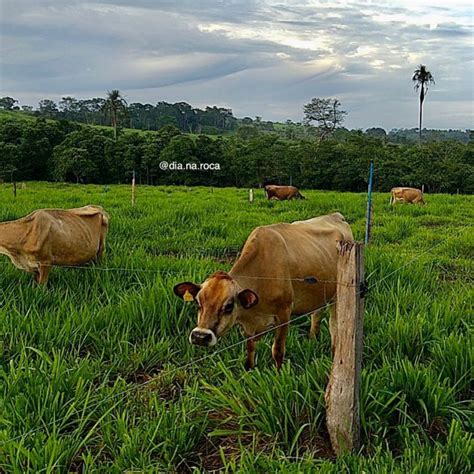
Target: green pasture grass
97 375
15 115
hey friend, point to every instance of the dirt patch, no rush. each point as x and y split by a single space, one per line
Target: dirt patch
438 428
211 451
214 447
318 444
154 382
162 386
429 223
77 465
451 272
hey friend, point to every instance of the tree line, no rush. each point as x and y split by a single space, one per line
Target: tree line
39 149
322 117
114 111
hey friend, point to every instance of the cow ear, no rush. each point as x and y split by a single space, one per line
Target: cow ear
248 298
186 290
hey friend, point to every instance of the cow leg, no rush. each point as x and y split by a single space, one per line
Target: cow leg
278 348
250 361
315 320
100 251
333 327
251 348
41 275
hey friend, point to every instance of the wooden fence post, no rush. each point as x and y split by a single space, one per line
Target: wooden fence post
342 392
250 195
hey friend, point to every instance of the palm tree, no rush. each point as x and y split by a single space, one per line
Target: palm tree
114 105
422 79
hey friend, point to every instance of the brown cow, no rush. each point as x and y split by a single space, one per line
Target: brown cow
265 286
50 237
282 193
410 195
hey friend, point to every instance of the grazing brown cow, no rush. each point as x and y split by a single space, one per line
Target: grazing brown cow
282 193
265 286
50 237
410 195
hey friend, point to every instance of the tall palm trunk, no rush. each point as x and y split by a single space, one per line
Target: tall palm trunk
421 118
422 98
114 123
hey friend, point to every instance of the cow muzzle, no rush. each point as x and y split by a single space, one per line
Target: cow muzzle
202 337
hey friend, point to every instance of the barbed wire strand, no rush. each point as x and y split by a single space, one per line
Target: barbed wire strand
219 351
308 279
179 272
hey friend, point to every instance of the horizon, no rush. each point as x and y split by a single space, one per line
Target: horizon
342 127
256 58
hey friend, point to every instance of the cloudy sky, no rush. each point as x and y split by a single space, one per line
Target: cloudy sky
258 57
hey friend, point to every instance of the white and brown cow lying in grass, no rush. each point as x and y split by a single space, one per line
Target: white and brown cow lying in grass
264 287
51 237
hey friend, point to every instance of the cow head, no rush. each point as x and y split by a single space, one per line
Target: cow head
219 300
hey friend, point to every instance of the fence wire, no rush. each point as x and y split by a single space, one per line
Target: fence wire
140 386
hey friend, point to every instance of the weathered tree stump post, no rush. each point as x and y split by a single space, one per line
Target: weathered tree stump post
342 392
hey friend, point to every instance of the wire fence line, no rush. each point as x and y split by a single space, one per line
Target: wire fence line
170 372
308 279
162 374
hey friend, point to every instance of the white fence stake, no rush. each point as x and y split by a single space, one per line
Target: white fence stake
133 188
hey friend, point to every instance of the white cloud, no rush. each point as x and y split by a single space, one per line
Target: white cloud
259 57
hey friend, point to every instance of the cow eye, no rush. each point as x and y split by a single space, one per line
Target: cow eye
228 308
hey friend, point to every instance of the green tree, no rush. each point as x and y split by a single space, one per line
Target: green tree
115 106
376 132
70 108
48 108
422 79
73 161
179 152
326 113
8 103
247 132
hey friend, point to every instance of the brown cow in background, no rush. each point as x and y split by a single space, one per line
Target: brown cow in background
410 195
54 237
282 193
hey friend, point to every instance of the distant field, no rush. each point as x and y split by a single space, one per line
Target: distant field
74 355
19 115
